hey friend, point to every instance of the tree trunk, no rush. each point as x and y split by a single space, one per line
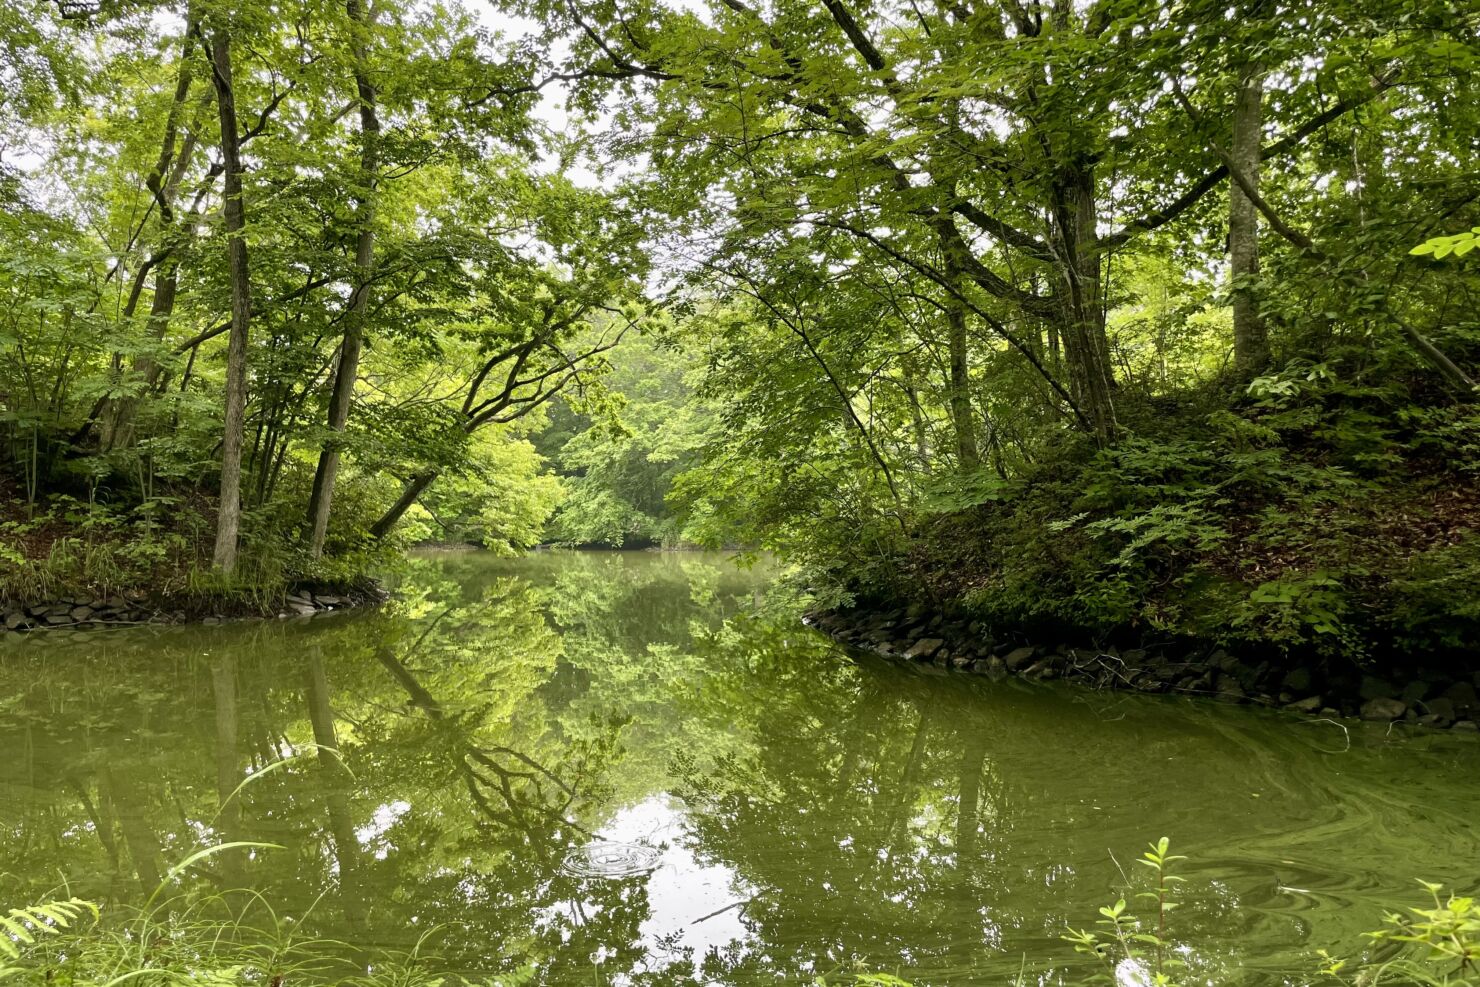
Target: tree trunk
228 525
1082 311
321 500
1250 338
917 420
967 455
413 489
119 417
116 418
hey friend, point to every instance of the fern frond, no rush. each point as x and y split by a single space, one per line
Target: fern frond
22 926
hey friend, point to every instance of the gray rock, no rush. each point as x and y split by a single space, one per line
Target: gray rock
1250 676
1017 659
1307 705
1462 694
58 619
82 612
924 648
15 619
1414 691
1382 708
1297 680
1375 688
1441 707
1231 689
1468 725
302 609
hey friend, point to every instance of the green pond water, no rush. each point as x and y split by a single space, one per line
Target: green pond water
595 769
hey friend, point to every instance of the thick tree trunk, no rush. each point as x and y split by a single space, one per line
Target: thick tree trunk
1250 338
967 455
228 525
322 499
1082 330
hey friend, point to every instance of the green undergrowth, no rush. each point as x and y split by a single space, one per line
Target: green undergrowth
229 938
68 548
1323 514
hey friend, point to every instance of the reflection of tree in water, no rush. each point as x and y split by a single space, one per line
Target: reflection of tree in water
882 843
450 803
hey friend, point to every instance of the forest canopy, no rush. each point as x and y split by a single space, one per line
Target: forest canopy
1110 314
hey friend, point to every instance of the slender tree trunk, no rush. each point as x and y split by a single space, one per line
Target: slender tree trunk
322 498
413 489
917 420
967 455
163 182
1250 338
119 418
228 526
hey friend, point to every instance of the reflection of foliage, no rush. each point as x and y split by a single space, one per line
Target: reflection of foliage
504 713
887 815
471 758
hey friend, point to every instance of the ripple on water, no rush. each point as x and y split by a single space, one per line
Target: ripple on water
610 860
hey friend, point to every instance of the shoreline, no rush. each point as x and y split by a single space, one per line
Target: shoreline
135 608
912 635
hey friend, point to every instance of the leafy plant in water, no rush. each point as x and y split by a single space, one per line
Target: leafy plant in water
1443 943
1133 951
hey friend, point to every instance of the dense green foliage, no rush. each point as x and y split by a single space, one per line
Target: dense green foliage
1119 317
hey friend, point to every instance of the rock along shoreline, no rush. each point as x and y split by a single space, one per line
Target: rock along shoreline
1429 697
137 607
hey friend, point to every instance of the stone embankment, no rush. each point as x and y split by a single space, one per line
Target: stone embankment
88 613
1428 697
